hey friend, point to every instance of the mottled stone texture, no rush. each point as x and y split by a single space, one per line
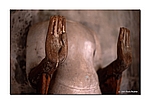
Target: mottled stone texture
106 25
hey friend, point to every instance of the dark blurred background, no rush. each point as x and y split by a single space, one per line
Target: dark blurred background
105 23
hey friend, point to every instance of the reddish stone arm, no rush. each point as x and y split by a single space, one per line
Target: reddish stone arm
110 76
56 50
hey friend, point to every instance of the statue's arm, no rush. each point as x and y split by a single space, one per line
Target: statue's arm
56 48
110 76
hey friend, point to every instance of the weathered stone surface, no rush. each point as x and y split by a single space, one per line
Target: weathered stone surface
77 73
105 23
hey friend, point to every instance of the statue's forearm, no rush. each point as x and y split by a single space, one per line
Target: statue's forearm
110 77
56 50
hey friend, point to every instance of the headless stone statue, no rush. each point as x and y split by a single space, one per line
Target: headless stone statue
63 57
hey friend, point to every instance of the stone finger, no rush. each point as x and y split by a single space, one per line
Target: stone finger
59 26
126 37
128 43
64 25
55 26
51 25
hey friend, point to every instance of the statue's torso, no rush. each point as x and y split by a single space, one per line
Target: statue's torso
77 75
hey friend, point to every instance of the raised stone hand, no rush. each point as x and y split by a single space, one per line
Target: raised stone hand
124 54
110 76
56 40
56 50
